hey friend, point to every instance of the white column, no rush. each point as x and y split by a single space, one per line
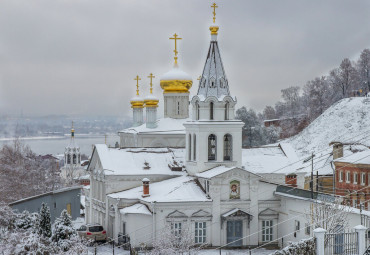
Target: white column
151 117
319 234
361 232
137 116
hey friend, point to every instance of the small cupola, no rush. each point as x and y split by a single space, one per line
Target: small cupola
146 182
137 105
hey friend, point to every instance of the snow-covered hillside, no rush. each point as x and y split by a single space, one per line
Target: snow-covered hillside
346 121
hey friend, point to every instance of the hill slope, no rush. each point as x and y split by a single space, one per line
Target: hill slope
346 121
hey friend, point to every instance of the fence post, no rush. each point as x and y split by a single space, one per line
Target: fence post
361 232
319 234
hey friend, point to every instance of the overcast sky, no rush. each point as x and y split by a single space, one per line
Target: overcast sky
81 56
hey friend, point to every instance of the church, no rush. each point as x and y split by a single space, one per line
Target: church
188 170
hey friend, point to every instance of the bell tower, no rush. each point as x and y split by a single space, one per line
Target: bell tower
213 136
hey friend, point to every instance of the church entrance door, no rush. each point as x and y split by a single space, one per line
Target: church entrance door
235 233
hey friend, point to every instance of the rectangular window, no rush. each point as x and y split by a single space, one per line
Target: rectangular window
176 229
341 175
308 229
348 177
297 225
355 176
200 232
354 203
363 178
69 209
267 230
206 186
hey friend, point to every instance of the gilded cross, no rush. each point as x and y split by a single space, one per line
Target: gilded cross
214 6
151 76
137 79
175 37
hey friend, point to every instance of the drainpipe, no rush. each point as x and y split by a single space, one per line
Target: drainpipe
153 220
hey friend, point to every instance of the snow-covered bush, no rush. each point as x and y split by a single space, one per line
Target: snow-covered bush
27 220
303 247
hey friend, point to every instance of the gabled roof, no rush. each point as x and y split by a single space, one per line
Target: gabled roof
218 171
179 189
136 209
138 161
213 81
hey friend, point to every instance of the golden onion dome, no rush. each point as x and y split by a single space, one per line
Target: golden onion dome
151 101
176 81
137 102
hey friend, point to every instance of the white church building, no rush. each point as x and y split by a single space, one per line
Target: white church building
190 171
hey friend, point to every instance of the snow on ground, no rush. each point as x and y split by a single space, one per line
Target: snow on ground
346 121
108 250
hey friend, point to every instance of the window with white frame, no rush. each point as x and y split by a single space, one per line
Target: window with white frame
355 178
341 176
348 177
176 229
267 230
297 225
363 178
307 229
200 232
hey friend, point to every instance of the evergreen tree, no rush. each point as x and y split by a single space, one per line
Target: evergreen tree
45 224
63 231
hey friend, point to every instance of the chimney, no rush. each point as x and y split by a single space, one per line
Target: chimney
337 149
145 187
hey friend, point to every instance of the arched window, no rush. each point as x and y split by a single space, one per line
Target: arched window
189 156
227 111
69 159
212 147
228 149
74 159
211 111
195 147
197 110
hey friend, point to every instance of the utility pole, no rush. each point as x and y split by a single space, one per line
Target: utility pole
312 176
317 181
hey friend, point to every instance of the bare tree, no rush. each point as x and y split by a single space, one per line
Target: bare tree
24 174
329 215
363 67
175 241
344 78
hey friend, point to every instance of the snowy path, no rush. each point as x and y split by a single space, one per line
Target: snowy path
107 250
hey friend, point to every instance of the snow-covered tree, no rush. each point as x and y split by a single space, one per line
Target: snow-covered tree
173 242
24 174
363 67
44 228
344 78
329 215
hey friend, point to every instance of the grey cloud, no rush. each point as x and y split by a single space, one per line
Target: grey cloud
81 57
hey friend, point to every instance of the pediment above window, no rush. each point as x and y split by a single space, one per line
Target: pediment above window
268 214
202 214
176 214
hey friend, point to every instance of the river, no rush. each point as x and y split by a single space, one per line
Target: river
56 145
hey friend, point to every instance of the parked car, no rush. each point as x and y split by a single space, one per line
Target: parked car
94 232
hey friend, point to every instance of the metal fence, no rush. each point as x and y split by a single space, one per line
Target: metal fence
341 243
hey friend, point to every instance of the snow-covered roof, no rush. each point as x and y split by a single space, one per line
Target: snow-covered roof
213 81
164 126
136 209
279 159
179 189
214 172
347 121
322 161
356 158
139 161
